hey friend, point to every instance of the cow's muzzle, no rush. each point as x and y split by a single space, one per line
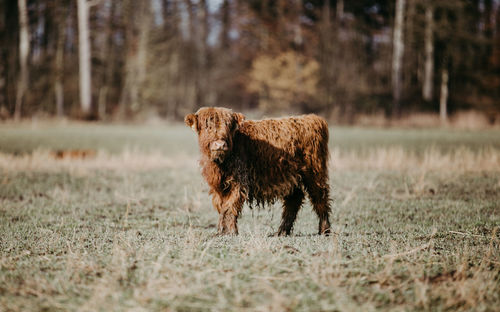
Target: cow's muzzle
218 145
218 151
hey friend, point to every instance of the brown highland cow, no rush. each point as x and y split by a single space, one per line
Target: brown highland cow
260 161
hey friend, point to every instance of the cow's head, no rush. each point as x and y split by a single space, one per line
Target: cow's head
215 127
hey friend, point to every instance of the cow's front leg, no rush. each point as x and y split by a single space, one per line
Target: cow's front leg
217 202
229 206
228 223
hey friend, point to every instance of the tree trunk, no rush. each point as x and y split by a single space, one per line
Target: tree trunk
411 54
22 85
58 84
495 55
327 42
191 21
142 51
340 10
226 26
59 64
397 57
3 80
173 78
297 27
281 23
135 66
128 93
107 53
3 59
10 51
443 100
84 57
198 32
429 54
201 51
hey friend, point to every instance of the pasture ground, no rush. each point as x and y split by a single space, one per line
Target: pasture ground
416 219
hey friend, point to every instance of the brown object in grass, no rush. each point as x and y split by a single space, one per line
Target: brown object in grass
261 161
73 154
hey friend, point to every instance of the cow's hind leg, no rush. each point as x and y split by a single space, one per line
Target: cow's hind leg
318 191
291 206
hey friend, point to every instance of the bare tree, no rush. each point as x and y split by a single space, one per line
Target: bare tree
203 92
197 52
397 57
3 61
443 99
142 49
84 56
59 62
429 53
137 34
226 25
107 52
191 19
340 10
22 85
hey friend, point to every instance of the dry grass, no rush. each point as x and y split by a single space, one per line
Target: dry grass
464 120
461 159
470 120
130 160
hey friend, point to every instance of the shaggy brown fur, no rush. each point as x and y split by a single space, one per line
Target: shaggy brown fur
260 161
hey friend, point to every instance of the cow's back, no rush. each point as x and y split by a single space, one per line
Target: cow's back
273 155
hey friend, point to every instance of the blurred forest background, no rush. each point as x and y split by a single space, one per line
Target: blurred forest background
123 60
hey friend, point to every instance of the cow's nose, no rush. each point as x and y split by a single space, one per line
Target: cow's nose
218 145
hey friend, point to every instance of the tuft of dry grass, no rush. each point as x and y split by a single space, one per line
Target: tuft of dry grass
417 120
465 120
469 120
372 120
129 160
461 159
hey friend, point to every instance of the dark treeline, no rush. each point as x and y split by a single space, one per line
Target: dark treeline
120 59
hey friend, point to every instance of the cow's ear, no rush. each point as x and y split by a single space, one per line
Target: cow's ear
191 120
238 117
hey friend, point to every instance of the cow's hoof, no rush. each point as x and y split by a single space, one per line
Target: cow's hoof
227 233
326 232
324 228
282 233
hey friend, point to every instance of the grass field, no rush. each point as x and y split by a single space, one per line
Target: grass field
416 219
